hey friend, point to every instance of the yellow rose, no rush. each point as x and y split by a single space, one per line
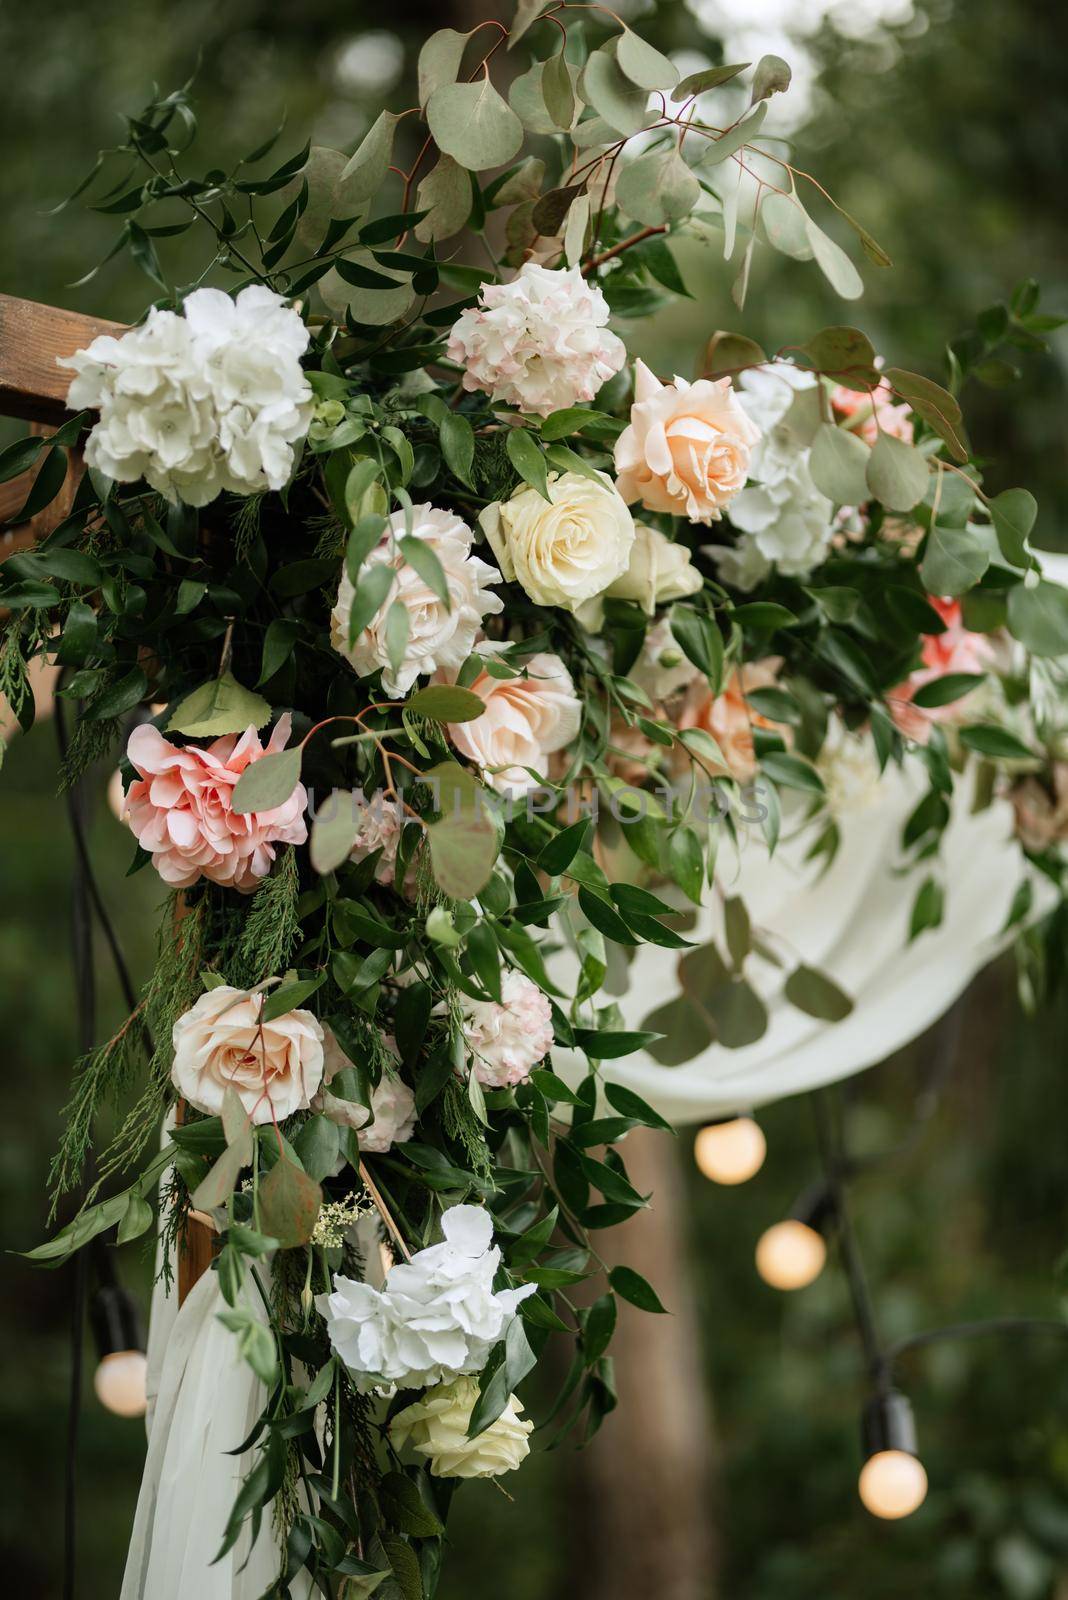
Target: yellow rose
566 549
659 570
436 1426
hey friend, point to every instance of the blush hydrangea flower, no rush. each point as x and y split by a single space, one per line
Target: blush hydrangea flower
508 1038
435 1317
213 399
392 1102
439 636
180 808
539 343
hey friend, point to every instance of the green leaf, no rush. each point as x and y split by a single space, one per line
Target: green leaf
557 855
465 841
633 1287
458 445
708 78
317 1144
842 353
558 90
372 592
988 740
815 994
658 188
772 76
736 924
135 1220
838 463
927 908
288 1203
1013 513
121 697
221 706
700 640
833 262
953 562
604 1046
935 405
526 13
1038 617
269 782
405 1508
289 997
528 460
445 702
471 123
445 195
439 61
606 87
943 691
643 65
365 171
793 772
898 473
728 144
219 1185
398 630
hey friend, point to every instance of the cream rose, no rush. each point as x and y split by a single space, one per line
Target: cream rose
220 1043
436 1427
526 720
659 570
687 448
565 552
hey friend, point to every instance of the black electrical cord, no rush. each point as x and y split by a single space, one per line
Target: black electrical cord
85 996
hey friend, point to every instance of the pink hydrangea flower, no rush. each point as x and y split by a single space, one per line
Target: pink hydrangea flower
180 809
507 1040
955 650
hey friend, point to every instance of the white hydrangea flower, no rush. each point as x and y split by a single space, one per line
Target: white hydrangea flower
781 516
849 766
509 1038
539 343
435 1317
194 404
439 638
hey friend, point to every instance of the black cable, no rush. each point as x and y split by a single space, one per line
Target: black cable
975 1330
835 1165
85 995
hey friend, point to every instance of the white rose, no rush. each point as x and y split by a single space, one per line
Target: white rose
436 1426
439 637
220 1043
540 342
566 551
392 1102
526 720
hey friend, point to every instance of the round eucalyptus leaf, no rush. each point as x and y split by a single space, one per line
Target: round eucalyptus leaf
898 473
445 196
643 65
838 465
471 123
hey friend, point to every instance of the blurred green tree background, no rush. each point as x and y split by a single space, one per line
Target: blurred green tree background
943 127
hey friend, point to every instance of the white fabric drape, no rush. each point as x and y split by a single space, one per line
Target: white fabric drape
849 920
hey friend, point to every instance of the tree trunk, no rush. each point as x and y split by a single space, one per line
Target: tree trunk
646 1482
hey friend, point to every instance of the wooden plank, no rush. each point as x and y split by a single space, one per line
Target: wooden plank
13 496
32 337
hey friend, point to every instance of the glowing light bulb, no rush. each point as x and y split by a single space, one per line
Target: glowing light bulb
790 1255
730 1152
892 1484
119 1382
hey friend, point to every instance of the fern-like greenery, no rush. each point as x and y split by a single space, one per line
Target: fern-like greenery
271 930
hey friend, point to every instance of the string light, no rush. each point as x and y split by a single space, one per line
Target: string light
792 1253
120 1377
731 1150
892 1483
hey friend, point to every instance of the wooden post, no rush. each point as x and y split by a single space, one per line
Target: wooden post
33 388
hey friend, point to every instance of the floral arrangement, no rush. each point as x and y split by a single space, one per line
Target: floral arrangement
536 631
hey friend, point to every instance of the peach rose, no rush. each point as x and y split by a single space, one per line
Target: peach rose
179 808
687 448
526 720
728 717
955 650
220 1043
868 415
